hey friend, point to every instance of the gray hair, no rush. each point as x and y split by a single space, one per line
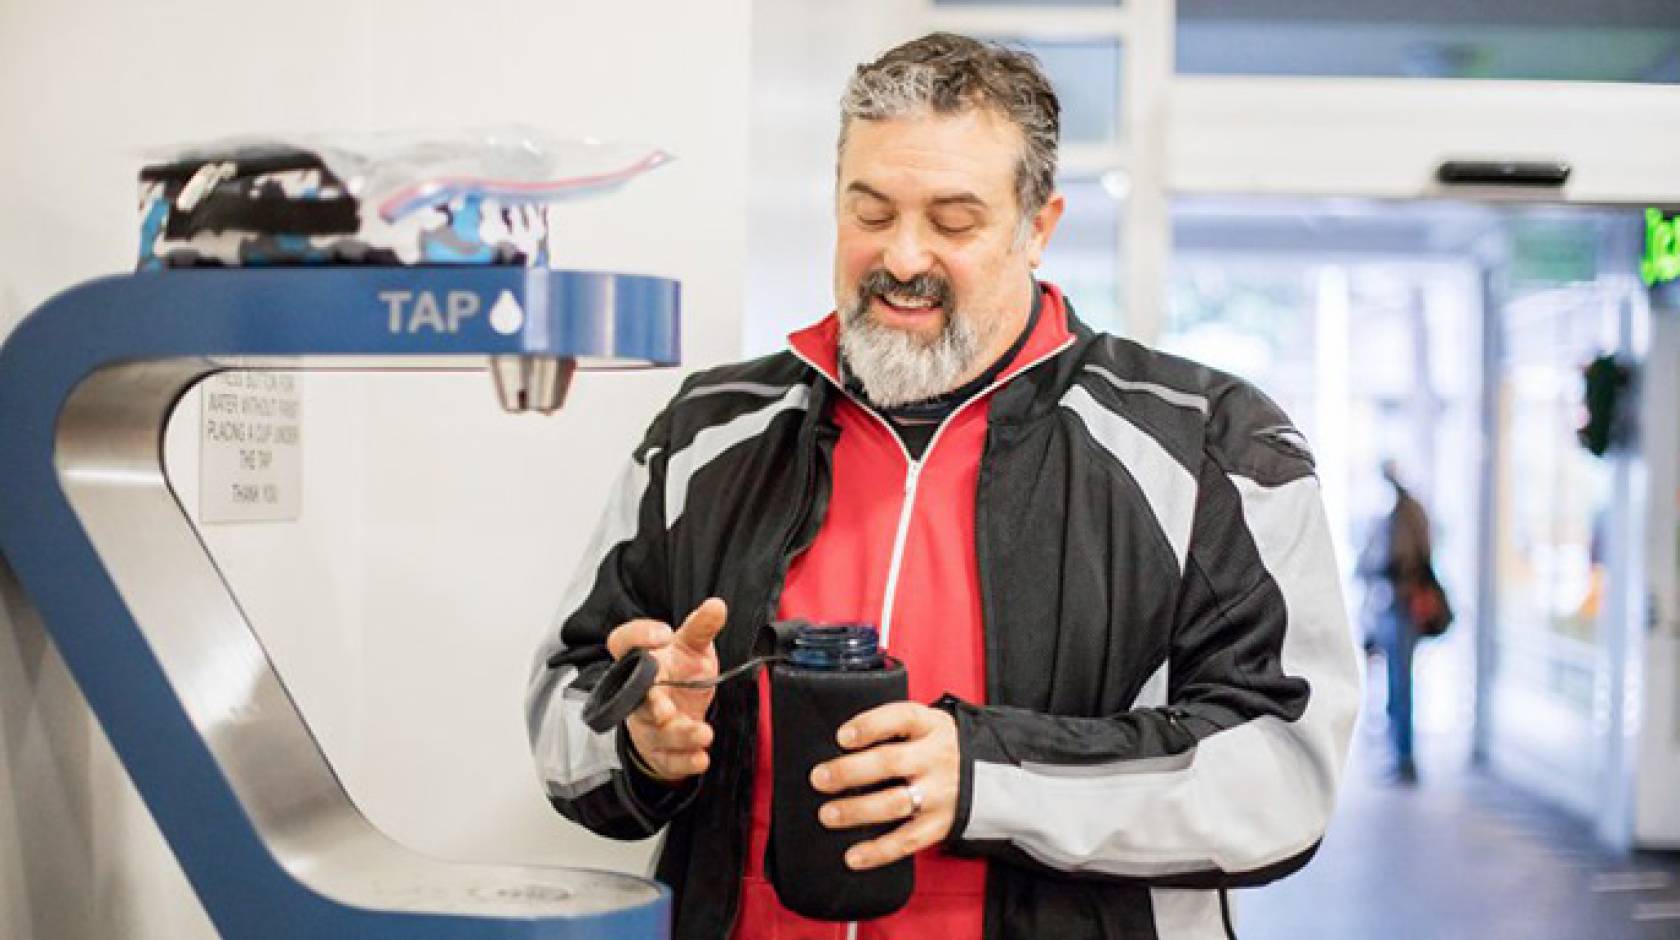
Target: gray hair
944 73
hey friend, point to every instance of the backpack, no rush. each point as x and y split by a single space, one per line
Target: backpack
1427 605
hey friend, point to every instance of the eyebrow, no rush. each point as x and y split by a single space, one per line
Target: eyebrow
953 199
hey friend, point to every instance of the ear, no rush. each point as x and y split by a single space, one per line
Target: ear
1043 226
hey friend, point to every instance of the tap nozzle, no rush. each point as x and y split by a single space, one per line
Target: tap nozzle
532 383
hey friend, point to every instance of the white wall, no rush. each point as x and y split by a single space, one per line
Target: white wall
437 532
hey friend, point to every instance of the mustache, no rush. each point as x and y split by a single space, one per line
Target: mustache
924 286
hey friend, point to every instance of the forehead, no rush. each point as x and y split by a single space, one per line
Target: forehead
924 156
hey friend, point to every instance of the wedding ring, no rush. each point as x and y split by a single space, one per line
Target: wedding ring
916 797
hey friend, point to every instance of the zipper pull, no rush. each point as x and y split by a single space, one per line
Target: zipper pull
910 477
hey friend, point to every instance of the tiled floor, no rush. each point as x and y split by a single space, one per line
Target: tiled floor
1461 855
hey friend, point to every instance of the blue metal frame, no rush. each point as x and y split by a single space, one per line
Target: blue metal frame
218 316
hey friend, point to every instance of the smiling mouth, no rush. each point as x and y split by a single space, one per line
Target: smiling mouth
906 305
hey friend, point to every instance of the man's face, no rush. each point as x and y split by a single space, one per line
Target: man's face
928 259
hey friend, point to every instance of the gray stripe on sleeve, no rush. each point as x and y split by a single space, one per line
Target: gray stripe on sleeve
571 791
743 388
1171 396
1154 691
571 759
1187 914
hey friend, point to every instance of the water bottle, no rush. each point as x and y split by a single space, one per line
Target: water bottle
831 674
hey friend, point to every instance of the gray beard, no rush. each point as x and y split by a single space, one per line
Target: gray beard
898 368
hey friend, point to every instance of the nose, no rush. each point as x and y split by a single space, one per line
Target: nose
905 254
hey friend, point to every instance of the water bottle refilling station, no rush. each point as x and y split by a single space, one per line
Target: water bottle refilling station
162 649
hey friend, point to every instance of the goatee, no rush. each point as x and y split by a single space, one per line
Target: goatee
898 367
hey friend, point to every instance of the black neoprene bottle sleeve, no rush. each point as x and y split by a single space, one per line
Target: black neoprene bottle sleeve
806 860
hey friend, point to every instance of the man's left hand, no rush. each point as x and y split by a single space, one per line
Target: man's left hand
905 742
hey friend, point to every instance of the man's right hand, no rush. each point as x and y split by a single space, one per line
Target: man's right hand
669 729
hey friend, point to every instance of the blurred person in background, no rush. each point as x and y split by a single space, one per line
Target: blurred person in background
1394 563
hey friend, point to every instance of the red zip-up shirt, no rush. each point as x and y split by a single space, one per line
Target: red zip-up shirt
895 549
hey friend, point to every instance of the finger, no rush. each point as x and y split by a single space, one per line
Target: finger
863 768
671 750
679 734
703 625
884 723
679 753
685 734
657 710
650 634
924 830
886 805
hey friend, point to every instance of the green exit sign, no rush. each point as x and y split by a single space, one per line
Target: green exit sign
1661 263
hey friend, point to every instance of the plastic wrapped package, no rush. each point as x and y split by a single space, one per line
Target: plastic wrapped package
467 198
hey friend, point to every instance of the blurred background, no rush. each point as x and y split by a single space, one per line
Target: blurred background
1250 184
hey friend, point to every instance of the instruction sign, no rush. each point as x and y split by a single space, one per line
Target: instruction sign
250 468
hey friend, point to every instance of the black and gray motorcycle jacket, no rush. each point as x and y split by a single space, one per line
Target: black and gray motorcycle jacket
1171 683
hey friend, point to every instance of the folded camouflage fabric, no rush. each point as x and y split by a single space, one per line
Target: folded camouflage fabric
282 205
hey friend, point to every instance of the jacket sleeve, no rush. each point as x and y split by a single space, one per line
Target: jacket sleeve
1228 776
592 778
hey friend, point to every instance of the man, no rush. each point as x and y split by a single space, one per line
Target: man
1394 563
1106 569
